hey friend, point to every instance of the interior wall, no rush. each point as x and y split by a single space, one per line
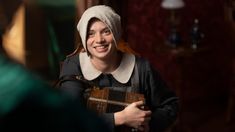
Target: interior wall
202 74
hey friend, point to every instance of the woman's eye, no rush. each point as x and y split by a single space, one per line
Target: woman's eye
107 31
90 34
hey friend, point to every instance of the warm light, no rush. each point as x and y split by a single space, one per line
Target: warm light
173 7
13 39
172 4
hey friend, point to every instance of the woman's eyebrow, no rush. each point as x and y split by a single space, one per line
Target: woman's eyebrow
106 28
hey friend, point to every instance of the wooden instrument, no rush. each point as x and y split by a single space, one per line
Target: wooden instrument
99 100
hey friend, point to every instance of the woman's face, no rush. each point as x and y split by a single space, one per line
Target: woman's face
100 43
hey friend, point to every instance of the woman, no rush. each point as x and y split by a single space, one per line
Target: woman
104 64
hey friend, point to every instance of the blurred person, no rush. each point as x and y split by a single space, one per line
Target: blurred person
27 103
101 62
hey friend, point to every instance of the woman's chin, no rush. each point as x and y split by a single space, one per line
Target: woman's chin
101 55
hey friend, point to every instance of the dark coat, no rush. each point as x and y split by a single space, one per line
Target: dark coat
159 98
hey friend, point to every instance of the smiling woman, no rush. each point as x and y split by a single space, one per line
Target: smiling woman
120 73
100 45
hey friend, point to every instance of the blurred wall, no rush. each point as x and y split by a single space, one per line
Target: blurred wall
198 74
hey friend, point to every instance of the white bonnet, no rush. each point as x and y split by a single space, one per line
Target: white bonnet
104 13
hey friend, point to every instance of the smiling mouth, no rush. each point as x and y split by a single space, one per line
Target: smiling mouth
101 46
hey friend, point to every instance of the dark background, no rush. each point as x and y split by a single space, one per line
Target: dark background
202 78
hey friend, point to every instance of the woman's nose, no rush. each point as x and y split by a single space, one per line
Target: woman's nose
99 38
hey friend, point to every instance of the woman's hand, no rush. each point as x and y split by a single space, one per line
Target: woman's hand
133 116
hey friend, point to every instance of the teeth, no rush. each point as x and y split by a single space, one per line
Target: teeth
102 46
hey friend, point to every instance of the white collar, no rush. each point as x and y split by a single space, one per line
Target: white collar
122 74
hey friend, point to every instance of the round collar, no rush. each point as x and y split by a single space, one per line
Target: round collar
122 74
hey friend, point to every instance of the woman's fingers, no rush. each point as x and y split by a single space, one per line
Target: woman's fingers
139 103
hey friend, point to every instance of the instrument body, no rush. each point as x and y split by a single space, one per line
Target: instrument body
100 100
